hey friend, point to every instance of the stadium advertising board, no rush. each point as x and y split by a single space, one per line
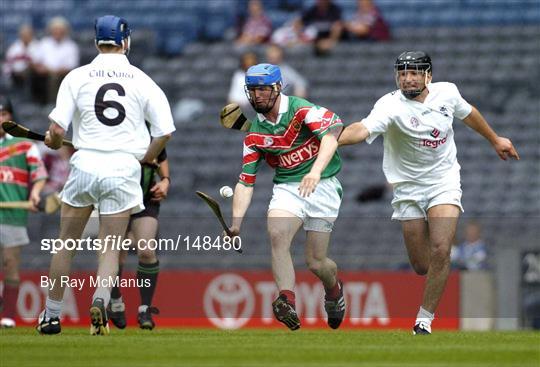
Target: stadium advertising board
233 300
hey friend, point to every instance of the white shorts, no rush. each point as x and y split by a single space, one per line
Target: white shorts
110 181
319 211
412 201
13 236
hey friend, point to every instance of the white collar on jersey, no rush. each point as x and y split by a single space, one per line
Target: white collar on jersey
283 108
108 57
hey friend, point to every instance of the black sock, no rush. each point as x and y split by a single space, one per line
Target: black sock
115 292
147 274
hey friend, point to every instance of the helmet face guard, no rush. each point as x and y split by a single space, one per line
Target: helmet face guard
274 94
263 77
417 62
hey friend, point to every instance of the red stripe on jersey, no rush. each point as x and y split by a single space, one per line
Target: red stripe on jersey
39 173
9 175
324 123
251 157
279 141
247 178
33 160
301 154
14 149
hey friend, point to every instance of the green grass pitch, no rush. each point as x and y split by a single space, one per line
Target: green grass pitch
274 347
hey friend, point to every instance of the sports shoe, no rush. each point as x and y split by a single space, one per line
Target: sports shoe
98 318
48 325
145 318
421 328
117 314
335 308
285 312
7 323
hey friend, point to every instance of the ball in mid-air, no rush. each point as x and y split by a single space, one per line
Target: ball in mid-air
226 192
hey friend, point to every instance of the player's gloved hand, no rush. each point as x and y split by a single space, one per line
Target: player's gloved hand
159 190
504 148
309 183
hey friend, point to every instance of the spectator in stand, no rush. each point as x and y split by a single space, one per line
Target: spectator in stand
18 63
236 91
291 34
257 28
367 23
471 254
58 55
293 82
323 20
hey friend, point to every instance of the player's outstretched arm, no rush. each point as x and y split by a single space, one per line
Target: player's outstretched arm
353 134
327 149
241 200
503 146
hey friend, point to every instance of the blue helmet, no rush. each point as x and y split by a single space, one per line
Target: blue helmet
263 74
111 30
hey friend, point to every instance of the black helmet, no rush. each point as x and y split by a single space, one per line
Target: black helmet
413 60
5 104
417 60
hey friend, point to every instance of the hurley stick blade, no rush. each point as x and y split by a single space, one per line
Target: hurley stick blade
214 205
19 131
231 117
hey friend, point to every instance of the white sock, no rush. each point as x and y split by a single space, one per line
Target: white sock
103 293
142 308
52 308
117 300
424 316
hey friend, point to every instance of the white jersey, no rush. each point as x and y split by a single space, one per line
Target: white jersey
419 142
108 102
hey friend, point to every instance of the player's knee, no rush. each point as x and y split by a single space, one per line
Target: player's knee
11 266
278 237
440 251
9 263
420 268
147 256
314 265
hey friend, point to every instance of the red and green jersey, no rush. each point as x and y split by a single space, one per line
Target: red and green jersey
290 145
20 164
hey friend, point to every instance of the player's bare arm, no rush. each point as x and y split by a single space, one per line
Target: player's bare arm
34 194
329 144
503 146
55 135
160 189
241 200
155 147
353 134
